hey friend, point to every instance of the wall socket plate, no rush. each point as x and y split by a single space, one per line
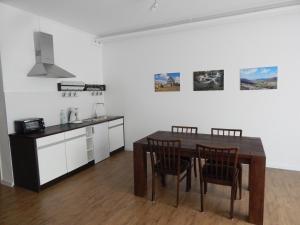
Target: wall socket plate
96 42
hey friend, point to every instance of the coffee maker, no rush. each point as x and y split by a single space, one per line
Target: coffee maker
74 115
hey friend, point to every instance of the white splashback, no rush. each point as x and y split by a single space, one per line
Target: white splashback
47 105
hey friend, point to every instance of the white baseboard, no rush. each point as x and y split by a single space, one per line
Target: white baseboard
269 165
284 167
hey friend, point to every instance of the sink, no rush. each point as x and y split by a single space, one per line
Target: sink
97 119
100 118
76 122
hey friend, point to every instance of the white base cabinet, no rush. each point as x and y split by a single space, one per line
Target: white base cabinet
105 138
38 159
76 153
116 134
101 142
52 162
61 153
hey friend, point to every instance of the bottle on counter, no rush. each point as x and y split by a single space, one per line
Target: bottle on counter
63 116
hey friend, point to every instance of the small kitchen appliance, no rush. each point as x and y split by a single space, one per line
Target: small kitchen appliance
29 125
74 115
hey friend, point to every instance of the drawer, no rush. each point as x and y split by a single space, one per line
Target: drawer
114 123
49 140
75 133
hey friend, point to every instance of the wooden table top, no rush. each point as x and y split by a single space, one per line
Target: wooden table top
248 146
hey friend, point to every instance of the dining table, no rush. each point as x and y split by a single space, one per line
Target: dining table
251 152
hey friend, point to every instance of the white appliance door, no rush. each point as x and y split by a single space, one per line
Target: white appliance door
101 142
116 137
76 152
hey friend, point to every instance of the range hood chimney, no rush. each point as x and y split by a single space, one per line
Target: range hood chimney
44 54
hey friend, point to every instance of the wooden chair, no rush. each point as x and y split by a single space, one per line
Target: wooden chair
236 133
184 129
227 132
166 160
219 167
187 130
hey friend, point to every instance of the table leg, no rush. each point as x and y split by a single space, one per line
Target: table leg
249 180
257 190
140 170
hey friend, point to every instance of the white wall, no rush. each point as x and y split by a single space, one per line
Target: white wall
261 39
38 97
5 163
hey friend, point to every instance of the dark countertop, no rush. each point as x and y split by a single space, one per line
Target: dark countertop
56 129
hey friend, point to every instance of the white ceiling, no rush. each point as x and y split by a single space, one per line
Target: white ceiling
110 17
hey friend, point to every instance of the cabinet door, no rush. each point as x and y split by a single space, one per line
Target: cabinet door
116 137
76 153
52 162
101 142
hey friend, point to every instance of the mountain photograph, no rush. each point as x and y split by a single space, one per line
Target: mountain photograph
261 78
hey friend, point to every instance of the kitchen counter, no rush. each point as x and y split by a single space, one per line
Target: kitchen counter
56 129
43 158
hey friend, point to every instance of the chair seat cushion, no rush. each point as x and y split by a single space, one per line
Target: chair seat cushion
239 165
184 165
190 159
218 174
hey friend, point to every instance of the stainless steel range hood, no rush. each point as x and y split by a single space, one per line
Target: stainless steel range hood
44 54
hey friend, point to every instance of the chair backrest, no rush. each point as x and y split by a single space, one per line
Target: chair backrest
165 154
218 161
184 129
226 132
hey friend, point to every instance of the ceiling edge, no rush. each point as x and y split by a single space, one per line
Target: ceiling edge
196 20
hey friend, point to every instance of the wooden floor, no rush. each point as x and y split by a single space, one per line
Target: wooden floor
103 194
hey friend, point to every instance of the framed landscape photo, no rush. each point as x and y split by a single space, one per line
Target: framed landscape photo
167 82
211 80
260 78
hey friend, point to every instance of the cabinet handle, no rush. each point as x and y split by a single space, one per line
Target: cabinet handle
118 125
93 130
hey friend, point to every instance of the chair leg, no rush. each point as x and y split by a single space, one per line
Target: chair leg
188 180
236 189
232 197
195 167
177 194
163 179
201 195
240 180
153 186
